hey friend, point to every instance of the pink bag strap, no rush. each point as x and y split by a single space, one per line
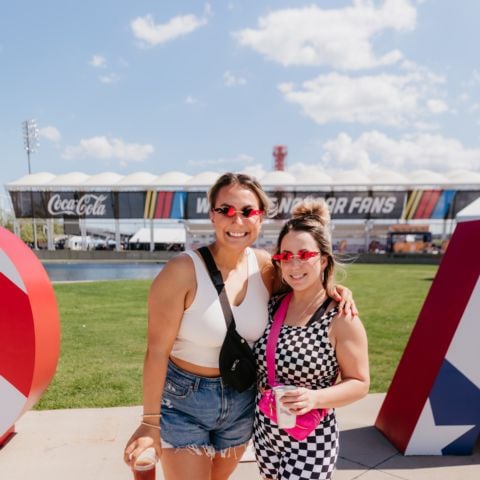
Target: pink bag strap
277 323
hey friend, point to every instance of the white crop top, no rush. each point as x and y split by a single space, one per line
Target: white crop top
203 327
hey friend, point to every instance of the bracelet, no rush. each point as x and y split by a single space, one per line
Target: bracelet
157 415
150 425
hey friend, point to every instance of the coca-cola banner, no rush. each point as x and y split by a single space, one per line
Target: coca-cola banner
91 205
152 204
63 204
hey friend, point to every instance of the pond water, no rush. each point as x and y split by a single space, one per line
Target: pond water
74 272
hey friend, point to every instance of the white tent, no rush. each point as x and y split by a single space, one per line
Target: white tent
301 177
470 212
160 235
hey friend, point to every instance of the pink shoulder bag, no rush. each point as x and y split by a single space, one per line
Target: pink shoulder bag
307 422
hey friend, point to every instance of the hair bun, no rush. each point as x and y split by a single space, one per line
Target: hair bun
314 209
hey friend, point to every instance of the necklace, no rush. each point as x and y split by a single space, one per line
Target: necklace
298 316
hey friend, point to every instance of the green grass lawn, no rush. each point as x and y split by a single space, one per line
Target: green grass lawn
104 330
389 298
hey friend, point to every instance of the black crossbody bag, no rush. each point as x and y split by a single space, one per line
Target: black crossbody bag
236 361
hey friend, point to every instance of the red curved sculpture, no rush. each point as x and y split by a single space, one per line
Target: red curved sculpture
29 331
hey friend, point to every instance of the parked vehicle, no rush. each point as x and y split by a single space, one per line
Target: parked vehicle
405 238
77 242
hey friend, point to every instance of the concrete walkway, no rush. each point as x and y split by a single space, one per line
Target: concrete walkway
87 444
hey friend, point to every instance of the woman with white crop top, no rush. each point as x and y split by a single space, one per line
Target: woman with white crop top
194 421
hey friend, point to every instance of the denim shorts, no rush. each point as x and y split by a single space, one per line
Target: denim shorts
204 414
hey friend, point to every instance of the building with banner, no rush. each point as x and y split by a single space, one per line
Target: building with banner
362 208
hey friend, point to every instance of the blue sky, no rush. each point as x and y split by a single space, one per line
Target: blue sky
156 86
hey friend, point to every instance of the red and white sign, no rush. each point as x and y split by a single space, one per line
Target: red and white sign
433 404
29 330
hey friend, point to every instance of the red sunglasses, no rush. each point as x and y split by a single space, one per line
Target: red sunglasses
287 256
228 211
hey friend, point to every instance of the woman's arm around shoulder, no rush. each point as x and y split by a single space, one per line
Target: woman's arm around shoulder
344 297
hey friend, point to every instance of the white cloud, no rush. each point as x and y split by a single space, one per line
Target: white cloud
151 34
240 158
231 80
207 10
98 61
474 107
244 158
110 78
374 149
470 90
50 133
257 170
189 100
341 38
436 105
104 148
474 79
394 100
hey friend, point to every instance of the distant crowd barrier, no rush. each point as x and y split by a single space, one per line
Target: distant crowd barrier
134 256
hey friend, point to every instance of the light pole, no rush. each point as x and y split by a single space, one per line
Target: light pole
30 140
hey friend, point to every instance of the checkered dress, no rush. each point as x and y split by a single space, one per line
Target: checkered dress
304 357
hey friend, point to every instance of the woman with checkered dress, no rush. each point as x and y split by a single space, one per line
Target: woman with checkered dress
316 345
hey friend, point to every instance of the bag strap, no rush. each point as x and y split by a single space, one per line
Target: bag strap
320 312
277 323
217 281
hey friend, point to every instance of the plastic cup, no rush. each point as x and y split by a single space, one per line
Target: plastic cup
144 467
285 418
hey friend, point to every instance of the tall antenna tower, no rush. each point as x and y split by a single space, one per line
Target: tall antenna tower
279 153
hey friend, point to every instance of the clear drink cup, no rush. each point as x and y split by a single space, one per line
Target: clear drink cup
285 418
